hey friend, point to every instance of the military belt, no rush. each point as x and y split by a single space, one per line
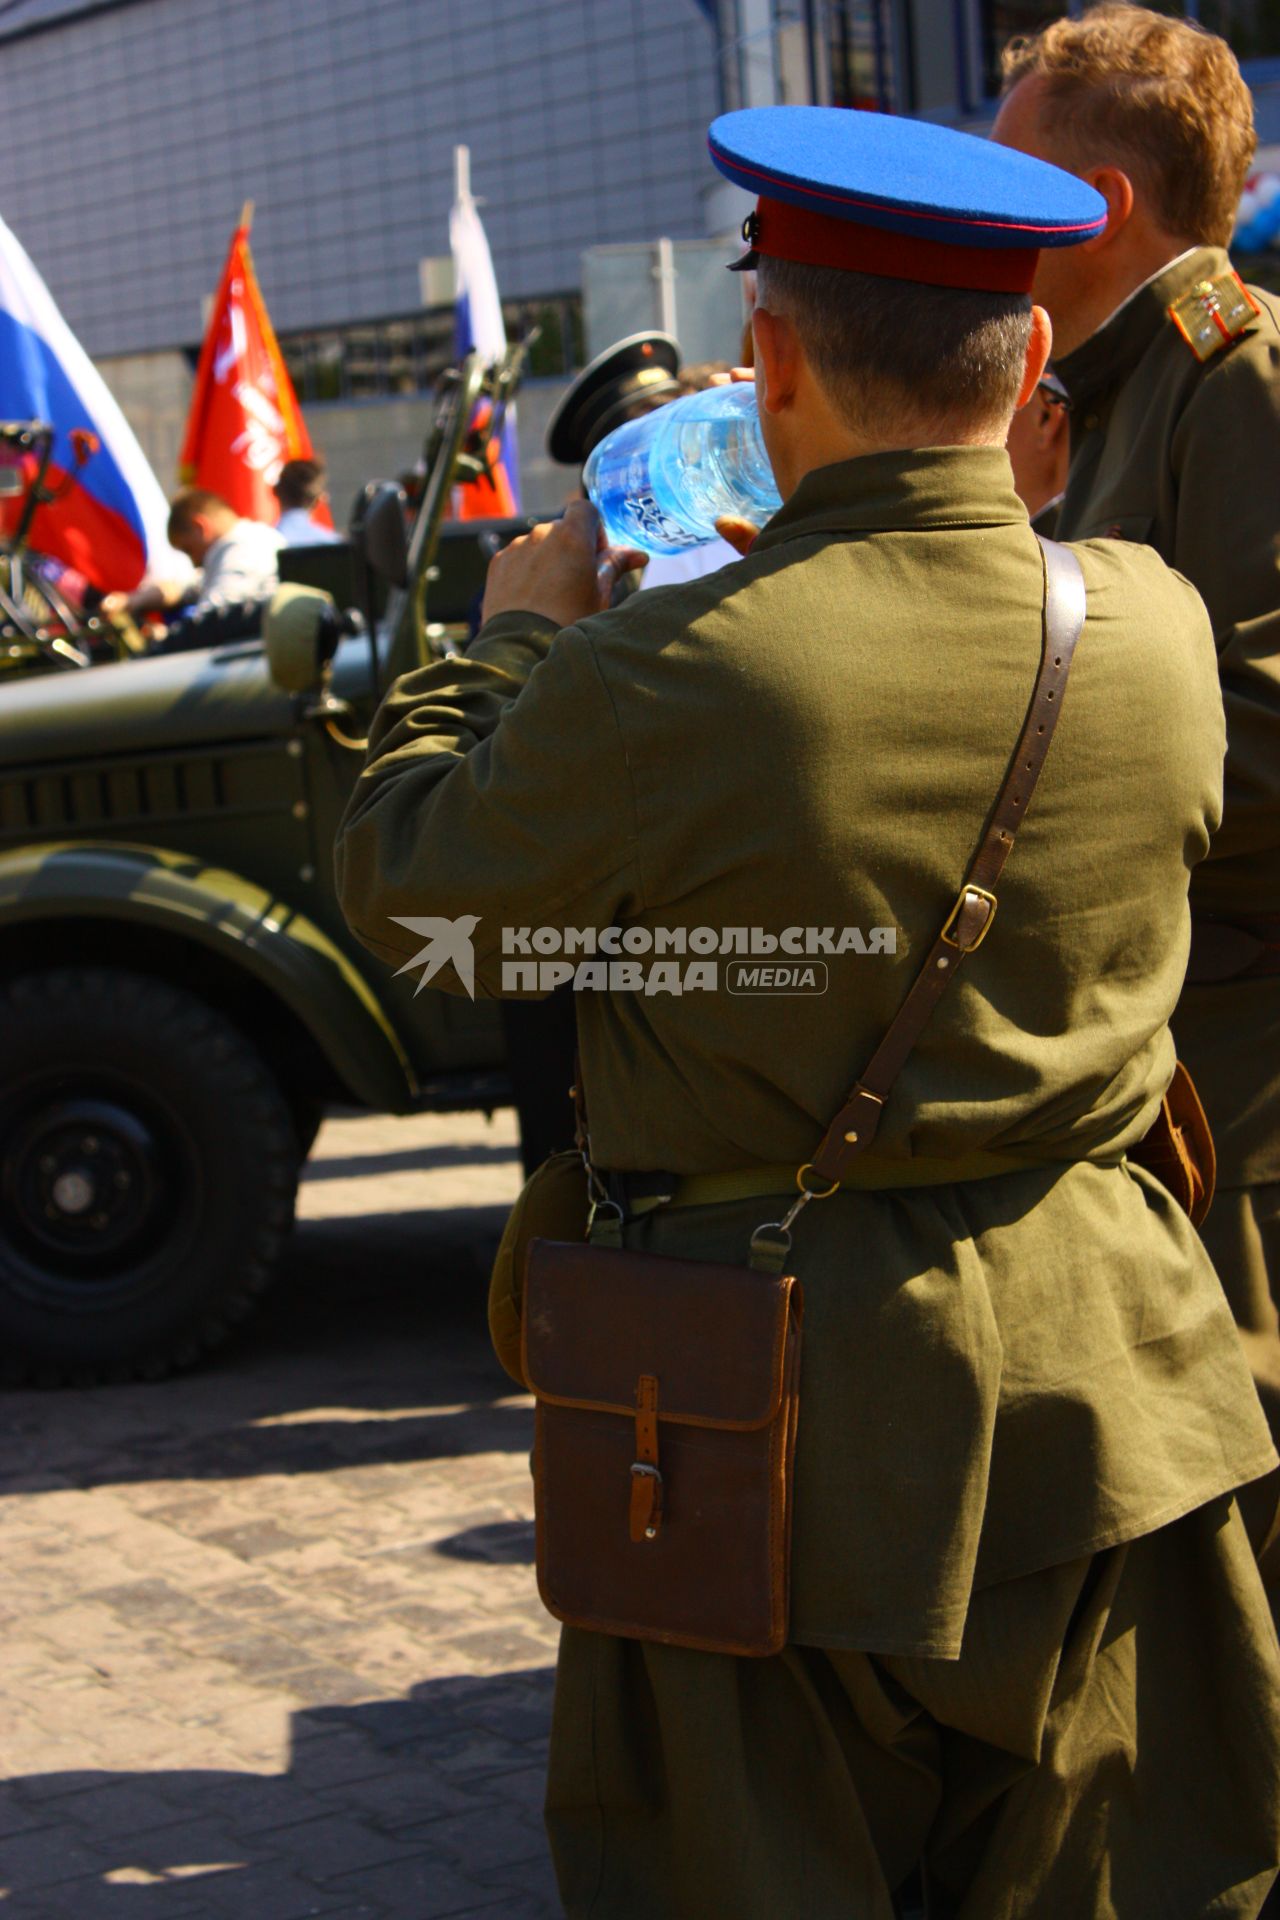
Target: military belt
640 1193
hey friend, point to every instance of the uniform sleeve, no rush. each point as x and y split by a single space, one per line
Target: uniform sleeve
1226 455
495 785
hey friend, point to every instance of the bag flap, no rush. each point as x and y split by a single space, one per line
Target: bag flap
714 1337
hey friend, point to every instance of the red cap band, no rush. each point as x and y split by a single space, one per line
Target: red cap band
787 232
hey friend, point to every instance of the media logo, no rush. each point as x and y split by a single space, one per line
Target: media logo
448 945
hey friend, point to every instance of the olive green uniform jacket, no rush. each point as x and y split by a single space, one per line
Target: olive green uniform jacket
1184 455
1000 1373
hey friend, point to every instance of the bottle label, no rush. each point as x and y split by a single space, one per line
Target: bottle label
653 524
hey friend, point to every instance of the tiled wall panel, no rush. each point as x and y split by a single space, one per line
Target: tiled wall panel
586 121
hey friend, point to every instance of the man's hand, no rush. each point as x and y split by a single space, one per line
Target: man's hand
737 533
158 596
562 570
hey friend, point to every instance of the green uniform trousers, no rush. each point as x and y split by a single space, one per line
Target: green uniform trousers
1242 1235
1105 1748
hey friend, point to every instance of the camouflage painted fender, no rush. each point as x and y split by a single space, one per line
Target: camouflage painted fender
221 911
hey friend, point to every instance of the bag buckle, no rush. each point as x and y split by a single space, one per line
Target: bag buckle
963 929
646 1501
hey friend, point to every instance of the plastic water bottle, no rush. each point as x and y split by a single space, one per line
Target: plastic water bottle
661 482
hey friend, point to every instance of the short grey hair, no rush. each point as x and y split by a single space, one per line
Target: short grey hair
935 363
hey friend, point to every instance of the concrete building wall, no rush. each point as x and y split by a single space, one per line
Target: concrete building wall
378 439
154 392
587 124
361 440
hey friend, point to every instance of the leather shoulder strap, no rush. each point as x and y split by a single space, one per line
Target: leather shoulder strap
970 919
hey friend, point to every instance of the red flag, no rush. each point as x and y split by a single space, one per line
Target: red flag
245 421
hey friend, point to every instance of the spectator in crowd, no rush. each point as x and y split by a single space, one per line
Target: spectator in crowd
301 491
238 568
1039 451
238 559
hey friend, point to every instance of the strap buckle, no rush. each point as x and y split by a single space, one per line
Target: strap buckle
605 1221
814 1193
646 1501
771 1242
959 931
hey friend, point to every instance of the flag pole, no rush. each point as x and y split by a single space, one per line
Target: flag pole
246 215
462 173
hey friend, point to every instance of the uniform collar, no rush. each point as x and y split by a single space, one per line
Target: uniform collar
917 488
1107 358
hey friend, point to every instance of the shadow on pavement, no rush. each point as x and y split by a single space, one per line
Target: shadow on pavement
379 1314
308 1446
507 1543
397 1810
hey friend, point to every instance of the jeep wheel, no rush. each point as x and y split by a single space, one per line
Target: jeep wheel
148 1166
308 1118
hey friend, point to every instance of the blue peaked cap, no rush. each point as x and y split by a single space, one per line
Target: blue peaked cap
850 175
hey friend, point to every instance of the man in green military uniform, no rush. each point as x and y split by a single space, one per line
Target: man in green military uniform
1023 1608
1173 369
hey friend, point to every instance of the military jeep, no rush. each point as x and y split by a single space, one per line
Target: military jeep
179 996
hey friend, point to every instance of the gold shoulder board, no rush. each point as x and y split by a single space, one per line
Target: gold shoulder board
1213 313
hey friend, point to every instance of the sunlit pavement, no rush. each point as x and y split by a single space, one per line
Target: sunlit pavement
271 1645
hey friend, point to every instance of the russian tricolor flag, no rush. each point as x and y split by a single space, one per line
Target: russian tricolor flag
111 524
478 329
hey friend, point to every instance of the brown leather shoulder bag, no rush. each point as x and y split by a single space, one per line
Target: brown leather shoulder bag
667 1397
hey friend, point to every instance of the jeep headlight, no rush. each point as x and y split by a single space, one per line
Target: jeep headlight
301 634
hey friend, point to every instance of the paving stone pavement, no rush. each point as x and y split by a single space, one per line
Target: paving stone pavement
270 1642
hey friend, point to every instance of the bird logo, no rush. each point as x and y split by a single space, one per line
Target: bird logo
448 945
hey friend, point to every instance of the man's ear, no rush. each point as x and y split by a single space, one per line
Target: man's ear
1116 188
1039 347
778 358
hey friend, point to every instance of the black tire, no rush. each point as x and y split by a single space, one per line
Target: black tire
308 1118
148 1168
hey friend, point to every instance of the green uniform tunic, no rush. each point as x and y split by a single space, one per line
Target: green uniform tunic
1016 1354
1184 455
1000 1374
